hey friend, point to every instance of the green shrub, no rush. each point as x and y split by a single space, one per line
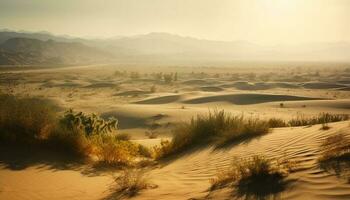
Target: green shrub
89 124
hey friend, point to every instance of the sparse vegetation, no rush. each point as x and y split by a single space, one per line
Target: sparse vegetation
335 147
29 121
276 122
218 128
26 120
322 118
168 78
254 178
335 157
302 120
153 89
130 183
123 136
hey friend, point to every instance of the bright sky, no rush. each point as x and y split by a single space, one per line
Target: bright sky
259 21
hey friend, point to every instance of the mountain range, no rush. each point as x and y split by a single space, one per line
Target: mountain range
26 48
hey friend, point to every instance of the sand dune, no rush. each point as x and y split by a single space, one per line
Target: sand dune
96 90
101 85
211 89
244 85
246 99
132 93
161 100
188 177
321 85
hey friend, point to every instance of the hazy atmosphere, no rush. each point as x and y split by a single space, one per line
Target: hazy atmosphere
174 99
259 21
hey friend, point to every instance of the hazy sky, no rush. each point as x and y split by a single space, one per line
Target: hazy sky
260 21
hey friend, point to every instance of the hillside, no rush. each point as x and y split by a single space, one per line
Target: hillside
25 51
160 48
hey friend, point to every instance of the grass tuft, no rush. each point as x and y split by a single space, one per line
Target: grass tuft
219 128
253 178
130 183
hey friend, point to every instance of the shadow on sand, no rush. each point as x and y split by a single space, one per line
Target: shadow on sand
13 157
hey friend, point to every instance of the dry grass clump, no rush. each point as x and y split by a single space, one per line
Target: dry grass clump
255 177
116 152
218 127
335 147
25 120
302 120
129 184
276 122
322 118
335 157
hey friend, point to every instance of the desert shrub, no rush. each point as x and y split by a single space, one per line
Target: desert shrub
276 122
31 121
335 147
168 78
118 73
134 75
26 120
253 177
123 136
325 126
89 124
72 142
218 127
335 156
322 118
116 152
130 182
153 89
164 149
145 151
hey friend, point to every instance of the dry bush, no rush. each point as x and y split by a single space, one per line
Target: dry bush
335 147
218 127
335 157
71 142
123 136
325 126
116 152
322 118
276 122
164 149
26 120
130 183
31 121
255 177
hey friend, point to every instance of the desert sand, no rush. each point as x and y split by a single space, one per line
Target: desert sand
263 93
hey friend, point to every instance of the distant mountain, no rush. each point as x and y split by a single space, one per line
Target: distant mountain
166 48
27 51
169 47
